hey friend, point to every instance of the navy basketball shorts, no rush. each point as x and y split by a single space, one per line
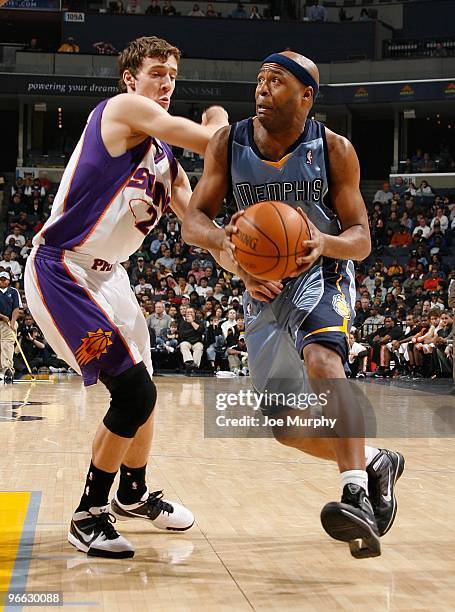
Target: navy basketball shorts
317 306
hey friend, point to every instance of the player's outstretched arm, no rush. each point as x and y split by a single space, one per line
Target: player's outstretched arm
128 116
198 227
354 240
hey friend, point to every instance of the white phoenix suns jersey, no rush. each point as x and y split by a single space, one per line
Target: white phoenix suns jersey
106 205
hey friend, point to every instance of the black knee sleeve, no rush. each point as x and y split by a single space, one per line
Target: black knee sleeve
133 398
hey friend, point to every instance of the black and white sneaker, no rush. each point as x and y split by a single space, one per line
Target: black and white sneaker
383 473
8 377
163 513
352 520
93 532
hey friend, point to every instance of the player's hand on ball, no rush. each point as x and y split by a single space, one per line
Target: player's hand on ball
262 290
314 246
230 229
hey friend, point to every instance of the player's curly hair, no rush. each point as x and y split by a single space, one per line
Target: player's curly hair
133 55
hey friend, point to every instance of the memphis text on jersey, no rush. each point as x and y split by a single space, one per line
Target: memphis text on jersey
300 191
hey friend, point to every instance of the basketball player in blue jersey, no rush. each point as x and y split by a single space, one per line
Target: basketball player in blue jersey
282 154
120 179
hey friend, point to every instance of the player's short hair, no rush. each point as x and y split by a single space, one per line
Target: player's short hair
133 55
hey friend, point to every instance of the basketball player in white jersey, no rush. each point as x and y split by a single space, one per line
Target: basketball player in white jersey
120 179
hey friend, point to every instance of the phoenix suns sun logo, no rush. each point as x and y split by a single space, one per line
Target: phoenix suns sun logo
93 346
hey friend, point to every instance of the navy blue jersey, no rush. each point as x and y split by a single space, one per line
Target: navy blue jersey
9 301
300 178
317 306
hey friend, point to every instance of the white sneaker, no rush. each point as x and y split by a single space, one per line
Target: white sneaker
164 514
93 532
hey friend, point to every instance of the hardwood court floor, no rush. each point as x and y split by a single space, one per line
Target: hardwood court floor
257 544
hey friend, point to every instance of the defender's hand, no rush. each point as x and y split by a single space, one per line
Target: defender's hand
215 115
229 230
262 290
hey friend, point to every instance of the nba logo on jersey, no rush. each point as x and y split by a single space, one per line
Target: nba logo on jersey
309 158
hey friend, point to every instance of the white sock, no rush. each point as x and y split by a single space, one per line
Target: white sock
370 454
357 477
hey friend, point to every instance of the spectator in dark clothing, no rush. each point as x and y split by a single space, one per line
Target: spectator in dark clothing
441 355
211 276
238 356
17 206
362 312
239 12
195 300
153 8
390 305
33 347
21 221
168 9
12 247
47 205
191 334
33 45
379 234
170 337
378 340
214 340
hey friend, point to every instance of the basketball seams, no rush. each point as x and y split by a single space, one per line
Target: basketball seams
284 232
309 237
258 229
285 239
298 239
262 257
250 254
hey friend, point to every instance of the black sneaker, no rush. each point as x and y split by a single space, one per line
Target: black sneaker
8 377
383 473
164 514
93 532
351 520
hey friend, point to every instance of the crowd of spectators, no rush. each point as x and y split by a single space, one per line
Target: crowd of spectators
424 163
314 11
425 47
167 9
403 319
193 309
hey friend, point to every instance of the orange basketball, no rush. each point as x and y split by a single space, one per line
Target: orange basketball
269 240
